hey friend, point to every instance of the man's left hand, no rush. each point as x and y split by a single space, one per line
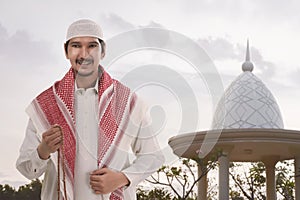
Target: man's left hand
104 181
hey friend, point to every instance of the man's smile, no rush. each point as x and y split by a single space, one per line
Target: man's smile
84 61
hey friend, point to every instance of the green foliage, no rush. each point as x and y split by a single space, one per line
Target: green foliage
182 178
235 195
30 191
155 194
7 192
251 184
285 183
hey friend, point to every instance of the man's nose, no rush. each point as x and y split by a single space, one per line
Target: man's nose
84 52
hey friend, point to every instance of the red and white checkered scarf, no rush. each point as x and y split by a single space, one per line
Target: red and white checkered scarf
56 105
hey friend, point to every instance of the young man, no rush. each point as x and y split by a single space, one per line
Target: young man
82 129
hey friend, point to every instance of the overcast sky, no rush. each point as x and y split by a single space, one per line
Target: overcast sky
32 58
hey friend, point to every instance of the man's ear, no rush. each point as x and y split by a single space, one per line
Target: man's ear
66 50
102 55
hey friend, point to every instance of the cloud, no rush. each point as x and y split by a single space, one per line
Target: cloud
2 175
26 63
153 24
294 77
112 24
274 10
218 48
221 49
21 51
3 32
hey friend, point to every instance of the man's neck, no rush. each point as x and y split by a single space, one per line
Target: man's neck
86 82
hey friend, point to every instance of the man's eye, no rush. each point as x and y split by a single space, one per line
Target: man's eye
93 45
75 45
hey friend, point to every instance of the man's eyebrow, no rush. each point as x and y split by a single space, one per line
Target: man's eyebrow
74 42
94 42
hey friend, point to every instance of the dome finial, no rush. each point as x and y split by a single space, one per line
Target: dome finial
247 51
247 65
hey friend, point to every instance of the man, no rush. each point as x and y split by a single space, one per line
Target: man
81 129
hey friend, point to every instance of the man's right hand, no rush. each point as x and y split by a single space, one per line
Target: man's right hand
52 139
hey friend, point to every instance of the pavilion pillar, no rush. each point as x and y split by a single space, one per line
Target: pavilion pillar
270 163
202 184
297 178
224 176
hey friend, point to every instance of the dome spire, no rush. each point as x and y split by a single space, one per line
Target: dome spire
247 65
247 51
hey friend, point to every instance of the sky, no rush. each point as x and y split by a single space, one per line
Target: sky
32 58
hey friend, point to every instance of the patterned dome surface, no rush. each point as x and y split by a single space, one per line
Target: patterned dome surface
247 103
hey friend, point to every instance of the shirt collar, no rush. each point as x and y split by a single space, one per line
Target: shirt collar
95 88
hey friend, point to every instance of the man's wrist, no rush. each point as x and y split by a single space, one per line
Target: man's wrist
125 181
42 153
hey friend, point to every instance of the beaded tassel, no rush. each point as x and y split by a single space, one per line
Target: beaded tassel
60 152
58 174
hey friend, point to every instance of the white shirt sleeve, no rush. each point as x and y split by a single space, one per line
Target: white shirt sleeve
29 163
149 156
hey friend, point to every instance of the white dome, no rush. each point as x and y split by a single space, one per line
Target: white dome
247 103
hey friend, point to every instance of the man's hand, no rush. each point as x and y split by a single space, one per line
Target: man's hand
51 141
104 181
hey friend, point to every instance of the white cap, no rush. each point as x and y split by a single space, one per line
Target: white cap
84 28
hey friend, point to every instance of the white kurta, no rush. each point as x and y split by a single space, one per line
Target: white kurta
138 138
86 102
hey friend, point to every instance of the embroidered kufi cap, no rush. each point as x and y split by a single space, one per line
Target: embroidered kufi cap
84 28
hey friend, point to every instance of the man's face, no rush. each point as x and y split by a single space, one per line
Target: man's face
84 54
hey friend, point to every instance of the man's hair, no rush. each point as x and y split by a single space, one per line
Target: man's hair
102 43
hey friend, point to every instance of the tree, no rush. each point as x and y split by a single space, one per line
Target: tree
155 194
30 191
7 192
251 183
285 183
182 179
212 188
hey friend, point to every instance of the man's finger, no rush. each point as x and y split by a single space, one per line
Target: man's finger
99 171
56 141
52 132
53 136
55 129
95 178
55 147
94 184
97 192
